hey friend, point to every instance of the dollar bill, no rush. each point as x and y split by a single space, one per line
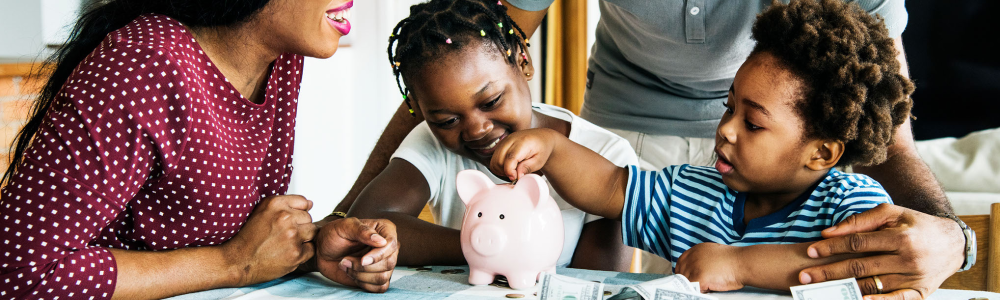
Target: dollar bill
558 287
673 283
662 294
844 289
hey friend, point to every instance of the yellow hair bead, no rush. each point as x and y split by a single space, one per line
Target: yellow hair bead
411 111
482 32
511 31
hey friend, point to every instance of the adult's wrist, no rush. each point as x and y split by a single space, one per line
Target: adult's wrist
969 239
232 264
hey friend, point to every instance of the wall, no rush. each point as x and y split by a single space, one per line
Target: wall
16 92
29 26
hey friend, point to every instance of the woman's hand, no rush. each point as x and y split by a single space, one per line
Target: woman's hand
714 266
912 252
359 253
523 152
273 242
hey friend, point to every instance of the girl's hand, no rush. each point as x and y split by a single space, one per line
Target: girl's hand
360 253
523 152
273 242
716 267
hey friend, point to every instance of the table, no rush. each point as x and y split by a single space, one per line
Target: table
410 284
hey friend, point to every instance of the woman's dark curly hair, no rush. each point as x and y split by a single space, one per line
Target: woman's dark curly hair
853 89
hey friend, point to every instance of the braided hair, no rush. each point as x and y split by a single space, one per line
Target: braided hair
441 26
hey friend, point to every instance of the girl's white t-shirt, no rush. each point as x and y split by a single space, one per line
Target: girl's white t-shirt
440 167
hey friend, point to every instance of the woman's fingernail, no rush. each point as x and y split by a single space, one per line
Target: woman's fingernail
377 238
804 278
812 252
346 264
831 229
367 261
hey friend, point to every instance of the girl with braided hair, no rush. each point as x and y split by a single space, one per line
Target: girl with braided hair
463 65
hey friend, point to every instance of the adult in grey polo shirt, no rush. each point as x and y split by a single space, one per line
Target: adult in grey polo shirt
658 74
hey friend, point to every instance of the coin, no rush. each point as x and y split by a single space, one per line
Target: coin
515 295
607 293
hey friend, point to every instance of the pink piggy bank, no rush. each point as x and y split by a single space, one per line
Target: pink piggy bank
510 230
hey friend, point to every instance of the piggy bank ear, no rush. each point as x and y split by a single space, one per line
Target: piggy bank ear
470 183
536 187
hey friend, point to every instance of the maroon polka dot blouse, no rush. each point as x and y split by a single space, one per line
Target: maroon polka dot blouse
146 147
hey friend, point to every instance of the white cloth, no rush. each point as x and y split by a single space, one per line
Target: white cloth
968 168
440 166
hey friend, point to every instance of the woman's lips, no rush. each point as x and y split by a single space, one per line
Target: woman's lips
339 18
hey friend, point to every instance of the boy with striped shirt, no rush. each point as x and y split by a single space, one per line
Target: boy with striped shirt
822 88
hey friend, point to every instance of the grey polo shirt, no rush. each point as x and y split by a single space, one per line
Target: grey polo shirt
665 66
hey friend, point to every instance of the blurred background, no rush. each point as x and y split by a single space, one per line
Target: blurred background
346 100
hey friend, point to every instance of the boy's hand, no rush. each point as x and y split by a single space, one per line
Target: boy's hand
716 267
523 152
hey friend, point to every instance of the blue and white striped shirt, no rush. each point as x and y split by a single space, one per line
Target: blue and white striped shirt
667 212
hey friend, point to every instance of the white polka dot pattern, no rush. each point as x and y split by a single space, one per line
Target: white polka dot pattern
146 147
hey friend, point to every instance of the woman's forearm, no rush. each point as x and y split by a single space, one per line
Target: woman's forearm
161 274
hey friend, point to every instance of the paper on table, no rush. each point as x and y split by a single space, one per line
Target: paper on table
844 289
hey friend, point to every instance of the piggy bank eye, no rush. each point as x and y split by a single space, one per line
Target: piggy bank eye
501 216
480 214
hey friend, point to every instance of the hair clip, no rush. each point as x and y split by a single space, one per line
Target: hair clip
500 24
411 111
448 41
404 98
392 35
499 3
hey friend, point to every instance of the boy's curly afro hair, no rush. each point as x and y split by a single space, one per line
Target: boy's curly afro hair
854 91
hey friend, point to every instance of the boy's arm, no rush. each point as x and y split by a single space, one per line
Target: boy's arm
770 266
582 177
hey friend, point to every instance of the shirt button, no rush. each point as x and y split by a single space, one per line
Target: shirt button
695 10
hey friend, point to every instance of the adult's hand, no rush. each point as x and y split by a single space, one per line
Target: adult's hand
911 252
274 240
359 253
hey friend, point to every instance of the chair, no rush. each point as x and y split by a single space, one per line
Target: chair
985 275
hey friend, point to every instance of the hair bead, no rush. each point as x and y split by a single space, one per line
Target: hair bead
482 32
448 41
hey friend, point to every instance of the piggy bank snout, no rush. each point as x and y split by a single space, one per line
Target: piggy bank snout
488 240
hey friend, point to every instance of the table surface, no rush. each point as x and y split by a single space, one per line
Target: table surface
408 283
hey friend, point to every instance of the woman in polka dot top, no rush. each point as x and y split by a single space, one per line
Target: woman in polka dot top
158 154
